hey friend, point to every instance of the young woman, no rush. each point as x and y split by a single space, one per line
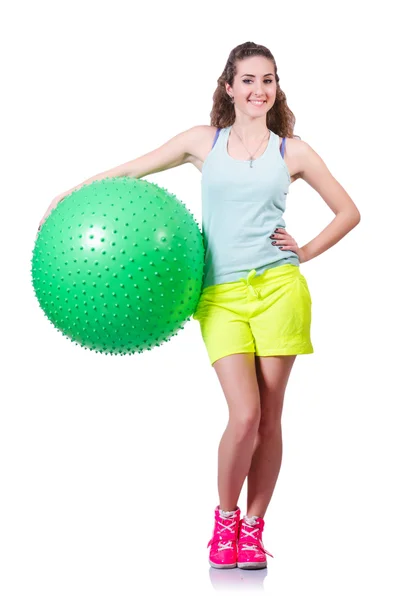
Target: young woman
255 307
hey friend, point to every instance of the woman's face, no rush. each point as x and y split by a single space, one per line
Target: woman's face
255 78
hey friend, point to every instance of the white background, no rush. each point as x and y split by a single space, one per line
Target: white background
108 465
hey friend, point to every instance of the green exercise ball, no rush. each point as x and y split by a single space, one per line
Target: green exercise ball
118 265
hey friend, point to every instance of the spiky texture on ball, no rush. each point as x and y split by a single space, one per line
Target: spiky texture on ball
118 264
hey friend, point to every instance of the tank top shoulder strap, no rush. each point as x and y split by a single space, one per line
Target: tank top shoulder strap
283 147
216 137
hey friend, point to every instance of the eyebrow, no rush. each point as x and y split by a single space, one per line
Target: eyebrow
249 75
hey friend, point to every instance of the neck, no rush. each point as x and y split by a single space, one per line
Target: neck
251 131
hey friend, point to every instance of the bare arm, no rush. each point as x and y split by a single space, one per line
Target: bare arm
315 172
175 152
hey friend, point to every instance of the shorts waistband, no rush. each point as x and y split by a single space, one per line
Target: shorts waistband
247 280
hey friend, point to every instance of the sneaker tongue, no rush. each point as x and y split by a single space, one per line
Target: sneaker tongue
251 520
227 513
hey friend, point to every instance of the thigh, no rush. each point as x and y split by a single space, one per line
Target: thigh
272 376
282 321
224 324
238 379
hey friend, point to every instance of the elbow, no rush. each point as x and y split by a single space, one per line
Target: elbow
350 218
353 217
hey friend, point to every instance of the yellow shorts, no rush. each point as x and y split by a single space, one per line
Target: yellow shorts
268 314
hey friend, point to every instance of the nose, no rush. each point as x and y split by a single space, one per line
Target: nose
259 90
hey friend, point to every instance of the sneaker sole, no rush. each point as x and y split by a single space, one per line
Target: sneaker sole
223 566
252 565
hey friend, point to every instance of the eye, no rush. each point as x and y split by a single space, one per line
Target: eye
269 80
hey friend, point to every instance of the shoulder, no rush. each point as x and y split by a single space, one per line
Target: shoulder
297 153
200 141
306 158
201 133
300 149
292 145
313 170
203 129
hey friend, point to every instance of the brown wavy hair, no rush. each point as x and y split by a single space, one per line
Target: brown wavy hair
280 119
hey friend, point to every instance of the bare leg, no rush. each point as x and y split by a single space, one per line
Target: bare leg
264 471
273 373
234 459
237 376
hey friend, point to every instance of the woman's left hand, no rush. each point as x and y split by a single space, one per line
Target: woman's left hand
281 238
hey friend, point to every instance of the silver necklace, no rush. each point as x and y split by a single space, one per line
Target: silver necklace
251 156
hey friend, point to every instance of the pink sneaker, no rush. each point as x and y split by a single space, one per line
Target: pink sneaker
223 553
251 553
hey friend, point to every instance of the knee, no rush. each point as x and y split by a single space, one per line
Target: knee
269 423
245 424
271 412
269 427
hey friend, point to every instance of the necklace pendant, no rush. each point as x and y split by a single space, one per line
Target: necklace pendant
251 163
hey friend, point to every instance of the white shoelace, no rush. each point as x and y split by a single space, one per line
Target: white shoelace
251 522
225 514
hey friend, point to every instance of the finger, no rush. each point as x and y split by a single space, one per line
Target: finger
289 240
291 248
281 239
281 234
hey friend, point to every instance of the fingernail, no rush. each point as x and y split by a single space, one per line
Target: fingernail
273 243
281 247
